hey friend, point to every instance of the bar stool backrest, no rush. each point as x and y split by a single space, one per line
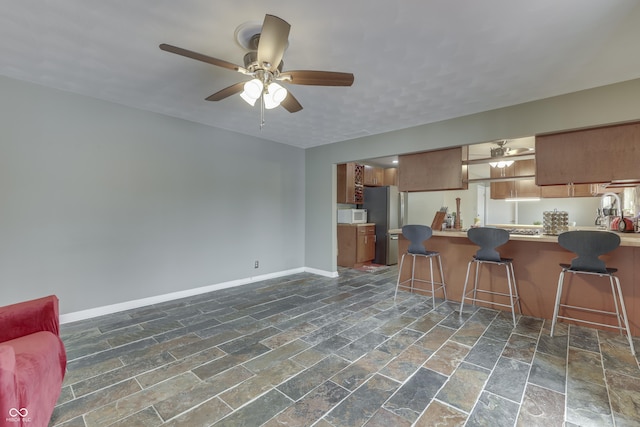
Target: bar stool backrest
488 239
417 234
589 245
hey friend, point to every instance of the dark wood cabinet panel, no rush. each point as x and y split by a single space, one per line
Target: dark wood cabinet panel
432 171
569 190
603 154
356 244
515 188
350 177
373 176
391 176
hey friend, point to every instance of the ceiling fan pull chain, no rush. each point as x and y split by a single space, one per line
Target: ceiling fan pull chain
262 110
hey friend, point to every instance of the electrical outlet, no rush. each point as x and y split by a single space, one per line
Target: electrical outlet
257 264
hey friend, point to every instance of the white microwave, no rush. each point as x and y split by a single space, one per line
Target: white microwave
352 216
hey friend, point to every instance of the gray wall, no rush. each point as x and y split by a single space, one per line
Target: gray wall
608 104
102 204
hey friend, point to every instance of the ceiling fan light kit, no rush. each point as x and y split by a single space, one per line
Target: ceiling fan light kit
264 64
501 164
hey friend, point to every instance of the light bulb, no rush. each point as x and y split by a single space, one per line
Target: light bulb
269 102
248 99
278 92
253 88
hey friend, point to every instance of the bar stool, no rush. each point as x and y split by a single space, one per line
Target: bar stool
417 234
588 246
489 239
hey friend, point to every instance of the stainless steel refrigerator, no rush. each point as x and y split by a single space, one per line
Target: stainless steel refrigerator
384 208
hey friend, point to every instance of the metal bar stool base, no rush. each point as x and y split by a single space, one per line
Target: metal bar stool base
435 286
512 296
620 314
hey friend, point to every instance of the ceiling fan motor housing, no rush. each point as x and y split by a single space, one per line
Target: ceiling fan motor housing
251 62
500 150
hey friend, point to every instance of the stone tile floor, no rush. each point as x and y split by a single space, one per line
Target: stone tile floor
307 350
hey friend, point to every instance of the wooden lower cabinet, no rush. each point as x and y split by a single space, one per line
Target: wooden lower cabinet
356 244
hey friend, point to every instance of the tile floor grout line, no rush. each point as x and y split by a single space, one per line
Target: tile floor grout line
604 378
353 311
526 383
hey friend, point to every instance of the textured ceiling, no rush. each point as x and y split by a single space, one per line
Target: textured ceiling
414 62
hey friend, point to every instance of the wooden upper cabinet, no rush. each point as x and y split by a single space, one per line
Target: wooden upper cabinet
502 189
569 190
350 177
603 154
515 188
373 176
391 176
432 170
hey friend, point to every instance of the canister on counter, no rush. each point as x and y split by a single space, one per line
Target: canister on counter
555 222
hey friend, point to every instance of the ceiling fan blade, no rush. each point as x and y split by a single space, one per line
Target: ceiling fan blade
226 92
273 41
317 78
201 57
515 151
291 104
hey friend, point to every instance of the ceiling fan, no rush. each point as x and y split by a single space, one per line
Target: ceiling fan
264 63
502 151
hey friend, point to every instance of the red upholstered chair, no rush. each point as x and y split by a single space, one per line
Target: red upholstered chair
32 362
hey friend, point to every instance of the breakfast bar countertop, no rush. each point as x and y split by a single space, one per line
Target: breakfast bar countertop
626 239
536 264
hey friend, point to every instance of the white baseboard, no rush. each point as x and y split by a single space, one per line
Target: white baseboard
128 305
331 274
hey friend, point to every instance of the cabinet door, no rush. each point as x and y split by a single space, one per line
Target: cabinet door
366 250
391 176
373 176
602 154
515 188
347 245
526 187
584 190
432 170
350 180
555 191
569 190
502 189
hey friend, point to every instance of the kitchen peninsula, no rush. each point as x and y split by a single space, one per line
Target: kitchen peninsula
535 261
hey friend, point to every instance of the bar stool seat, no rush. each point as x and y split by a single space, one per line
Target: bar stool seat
417 235
489 239
588 246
